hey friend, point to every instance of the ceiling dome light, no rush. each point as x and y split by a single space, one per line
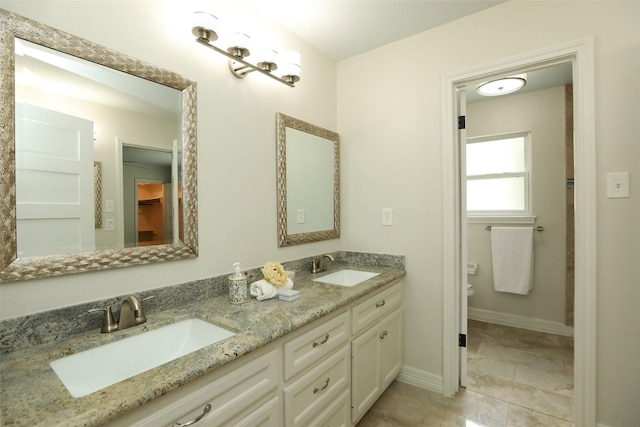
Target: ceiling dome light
502 86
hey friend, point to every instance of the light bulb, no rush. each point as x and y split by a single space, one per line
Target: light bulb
267 59
205 26
239 44
290 67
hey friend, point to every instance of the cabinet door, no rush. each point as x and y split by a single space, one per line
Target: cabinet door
365 382
390 334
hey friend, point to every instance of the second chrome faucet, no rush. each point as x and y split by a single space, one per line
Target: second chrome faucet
319 265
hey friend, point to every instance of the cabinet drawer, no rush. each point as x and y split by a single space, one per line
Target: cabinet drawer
373 309
313 346
313 391
337 414
240 391
268 415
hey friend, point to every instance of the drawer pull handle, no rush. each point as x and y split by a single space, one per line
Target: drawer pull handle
206 410
384 334
326 338
380 304
326 384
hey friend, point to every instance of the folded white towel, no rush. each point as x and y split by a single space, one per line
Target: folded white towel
512 254
263 290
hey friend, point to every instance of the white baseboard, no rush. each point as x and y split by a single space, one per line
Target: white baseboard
422 379
602 425
522 322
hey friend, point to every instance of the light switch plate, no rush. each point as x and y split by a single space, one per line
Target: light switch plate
617 185
387 216
108 206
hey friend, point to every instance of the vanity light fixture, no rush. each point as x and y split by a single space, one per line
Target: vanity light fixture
502 86
205 27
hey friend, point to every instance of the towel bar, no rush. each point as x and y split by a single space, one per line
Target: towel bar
538 228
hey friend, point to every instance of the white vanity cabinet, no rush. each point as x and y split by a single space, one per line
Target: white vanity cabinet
376 352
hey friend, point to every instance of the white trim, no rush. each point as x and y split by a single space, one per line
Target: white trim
585 236
422 379
496 219
580 52
522 322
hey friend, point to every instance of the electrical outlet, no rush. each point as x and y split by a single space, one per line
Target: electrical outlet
387 216
109 224
300 216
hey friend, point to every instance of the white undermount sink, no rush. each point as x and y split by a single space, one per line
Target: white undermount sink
92 370
346 277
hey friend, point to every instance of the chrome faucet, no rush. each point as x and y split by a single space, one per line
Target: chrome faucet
320 265
131 314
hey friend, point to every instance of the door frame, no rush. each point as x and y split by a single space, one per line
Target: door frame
580 53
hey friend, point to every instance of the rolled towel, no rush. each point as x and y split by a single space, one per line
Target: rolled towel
263 290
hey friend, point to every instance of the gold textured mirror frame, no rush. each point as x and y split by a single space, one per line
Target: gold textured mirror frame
284 238
12 268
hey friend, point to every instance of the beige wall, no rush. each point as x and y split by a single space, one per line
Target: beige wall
390 122
542 113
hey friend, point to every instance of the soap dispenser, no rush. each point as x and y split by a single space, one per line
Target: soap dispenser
237 285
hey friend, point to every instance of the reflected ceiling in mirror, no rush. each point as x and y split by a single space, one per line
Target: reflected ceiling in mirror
308 180
177 98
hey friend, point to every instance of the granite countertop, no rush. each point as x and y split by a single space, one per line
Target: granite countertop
31 393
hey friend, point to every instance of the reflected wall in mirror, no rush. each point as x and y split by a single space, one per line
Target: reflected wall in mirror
101 94
308 180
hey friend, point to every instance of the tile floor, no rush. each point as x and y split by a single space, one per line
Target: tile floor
516 377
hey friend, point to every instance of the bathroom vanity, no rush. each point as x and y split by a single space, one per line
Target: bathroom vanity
316 374
321 360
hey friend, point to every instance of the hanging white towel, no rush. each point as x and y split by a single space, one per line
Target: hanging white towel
512 253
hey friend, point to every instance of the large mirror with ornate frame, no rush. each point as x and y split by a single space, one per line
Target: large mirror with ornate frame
308 181
18 34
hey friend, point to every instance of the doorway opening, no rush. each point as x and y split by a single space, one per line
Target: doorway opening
580 54
517 336
152 209
151 195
